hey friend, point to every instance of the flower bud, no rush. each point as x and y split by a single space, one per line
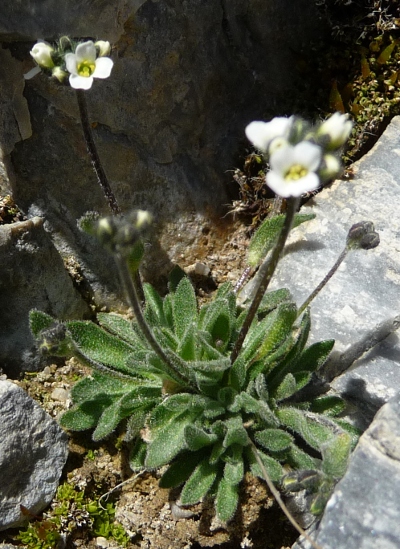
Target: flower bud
331 167
41 53
58 73
103 48
362 235
334 132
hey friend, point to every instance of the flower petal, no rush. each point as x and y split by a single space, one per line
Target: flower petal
292 187
70 63
262 133
85 52
103 68
80 82
307 154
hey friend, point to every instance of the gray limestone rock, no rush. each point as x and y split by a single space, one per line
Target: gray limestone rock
33 451
364 510
32 275
364 293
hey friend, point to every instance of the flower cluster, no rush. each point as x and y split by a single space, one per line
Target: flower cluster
301 157
81 62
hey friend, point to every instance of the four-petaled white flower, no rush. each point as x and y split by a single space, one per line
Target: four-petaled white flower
262 134
41 53
83 66
293 169
336 129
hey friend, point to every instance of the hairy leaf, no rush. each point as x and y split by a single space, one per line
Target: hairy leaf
181 469
267 234
123 328
154 310
184 306
226 501
39 321
199 483
99 346
335 455
274 440
196 438
272 466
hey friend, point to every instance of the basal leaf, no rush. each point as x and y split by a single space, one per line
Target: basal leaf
272 466
279 330
39 321
274 440
227 500
184 306
314 430
196 438
100 346
267 234
123 328
286 388
181 469
313 358
137 455
168 440
86 415
199 483
154 309
336 454
330 405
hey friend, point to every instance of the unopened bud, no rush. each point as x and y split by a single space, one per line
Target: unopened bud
103 48
55 341
362 235
58 73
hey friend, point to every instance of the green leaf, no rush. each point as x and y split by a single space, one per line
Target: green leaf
122 328
120 409
335 455
271 300
154 310
199 483
272 466
299 459
86 415
99 346
279 330
227 500
184 307
168 440
251 405
181 469
187 346
234 470
330 405
137 455
196 438
235 433
267 234
314 357
286 388
274 440
39 321
313 429
285 364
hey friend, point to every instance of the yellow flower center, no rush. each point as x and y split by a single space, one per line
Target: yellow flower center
297 171
86 68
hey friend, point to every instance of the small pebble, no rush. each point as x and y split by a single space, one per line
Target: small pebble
60 394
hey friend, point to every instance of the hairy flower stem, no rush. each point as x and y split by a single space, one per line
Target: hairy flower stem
324 281
133 300
278 498
265 274
94 157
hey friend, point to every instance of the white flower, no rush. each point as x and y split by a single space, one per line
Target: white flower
337 129
104 47
293 169
41 53
84 66
261 134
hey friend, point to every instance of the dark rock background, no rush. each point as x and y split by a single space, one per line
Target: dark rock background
169 123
